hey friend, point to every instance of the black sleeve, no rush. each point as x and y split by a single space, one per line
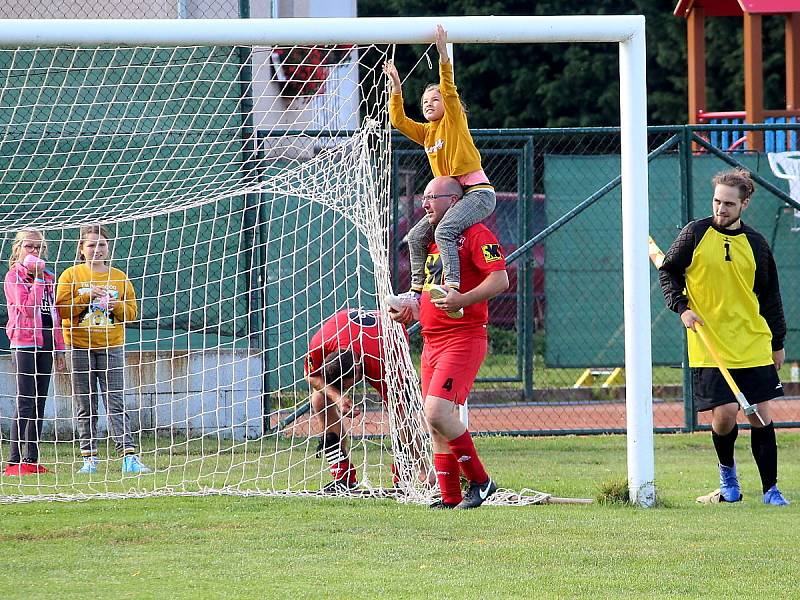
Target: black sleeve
672 274
767 289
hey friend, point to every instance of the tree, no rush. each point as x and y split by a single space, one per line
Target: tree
567 85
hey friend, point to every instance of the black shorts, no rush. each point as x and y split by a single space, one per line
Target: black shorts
758 384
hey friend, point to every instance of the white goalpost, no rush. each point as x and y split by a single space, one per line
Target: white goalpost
242 168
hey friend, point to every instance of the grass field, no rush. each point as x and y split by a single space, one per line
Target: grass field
311 548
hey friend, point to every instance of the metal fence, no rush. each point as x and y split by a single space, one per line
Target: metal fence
557 336
136 9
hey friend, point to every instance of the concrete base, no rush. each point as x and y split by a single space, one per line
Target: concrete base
188 393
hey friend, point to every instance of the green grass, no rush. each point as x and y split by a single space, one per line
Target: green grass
310 548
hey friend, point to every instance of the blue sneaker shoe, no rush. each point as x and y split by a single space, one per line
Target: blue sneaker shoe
729 489
774 497
89 465
131 465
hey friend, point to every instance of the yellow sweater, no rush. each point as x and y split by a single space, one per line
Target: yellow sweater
447 142
87 323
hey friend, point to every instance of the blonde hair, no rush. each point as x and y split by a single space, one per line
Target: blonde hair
98 230
435 86
16 246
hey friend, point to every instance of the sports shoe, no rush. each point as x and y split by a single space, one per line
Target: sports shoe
34 467
89 465
441 505
131 465
729 484
339 486
477 494
15 470
440 291
774 497
409 299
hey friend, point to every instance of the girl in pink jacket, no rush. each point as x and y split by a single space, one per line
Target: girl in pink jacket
34 329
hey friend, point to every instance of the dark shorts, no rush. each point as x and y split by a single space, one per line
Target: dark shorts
758 384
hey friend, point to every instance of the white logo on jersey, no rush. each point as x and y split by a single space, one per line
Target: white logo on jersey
437 146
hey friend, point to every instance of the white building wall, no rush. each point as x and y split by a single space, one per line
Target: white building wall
200 393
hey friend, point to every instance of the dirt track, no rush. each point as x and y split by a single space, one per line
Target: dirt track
580 416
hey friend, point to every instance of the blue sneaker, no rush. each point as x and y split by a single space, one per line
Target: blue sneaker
89 465
729 489
774 497
131 465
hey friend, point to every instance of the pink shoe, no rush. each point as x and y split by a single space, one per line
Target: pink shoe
29 468
13 471
20 470
408 299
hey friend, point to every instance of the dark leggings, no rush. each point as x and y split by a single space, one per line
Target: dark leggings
34 368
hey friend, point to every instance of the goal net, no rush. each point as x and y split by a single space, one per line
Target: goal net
246 196
244 192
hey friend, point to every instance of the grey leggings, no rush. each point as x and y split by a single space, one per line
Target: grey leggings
105 367
473 208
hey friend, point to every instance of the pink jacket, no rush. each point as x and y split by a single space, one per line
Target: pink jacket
24 298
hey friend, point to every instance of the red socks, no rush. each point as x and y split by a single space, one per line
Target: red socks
344 471
449 478
395 475
467 456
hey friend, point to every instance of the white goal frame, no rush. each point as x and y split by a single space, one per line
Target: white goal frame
627 31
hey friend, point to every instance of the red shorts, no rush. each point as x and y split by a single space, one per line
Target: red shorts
450 365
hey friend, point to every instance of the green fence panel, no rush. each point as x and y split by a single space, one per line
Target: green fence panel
89 135
317 263
583 282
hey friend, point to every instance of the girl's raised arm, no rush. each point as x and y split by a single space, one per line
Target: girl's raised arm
441 44
391 71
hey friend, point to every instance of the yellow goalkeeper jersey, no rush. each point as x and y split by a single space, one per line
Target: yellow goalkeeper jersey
729 278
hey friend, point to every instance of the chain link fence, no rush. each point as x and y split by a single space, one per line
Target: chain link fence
134 9
557 336
174 9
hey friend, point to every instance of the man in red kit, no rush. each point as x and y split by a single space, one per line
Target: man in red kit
346 349
454 349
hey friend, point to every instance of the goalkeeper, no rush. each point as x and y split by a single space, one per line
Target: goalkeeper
720 273
346 349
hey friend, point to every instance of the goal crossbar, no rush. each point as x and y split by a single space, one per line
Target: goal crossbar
369 30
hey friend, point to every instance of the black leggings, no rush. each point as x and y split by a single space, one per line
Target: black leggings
34 369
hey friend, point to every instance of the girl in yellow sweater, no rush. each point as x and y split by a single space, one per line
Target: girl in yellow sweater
96 300
451 152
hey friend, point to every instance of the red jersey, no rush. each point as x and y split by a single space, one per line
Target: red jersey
358 330
480 254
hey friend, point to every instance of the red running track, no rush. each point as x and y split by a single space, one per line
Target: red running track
553 417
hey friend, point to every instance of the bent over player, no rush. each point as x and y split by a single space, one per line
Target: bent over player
347 348
720 274
453 349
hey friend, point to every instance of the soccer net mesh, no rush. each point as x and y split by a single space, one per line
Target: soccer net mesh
247 195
